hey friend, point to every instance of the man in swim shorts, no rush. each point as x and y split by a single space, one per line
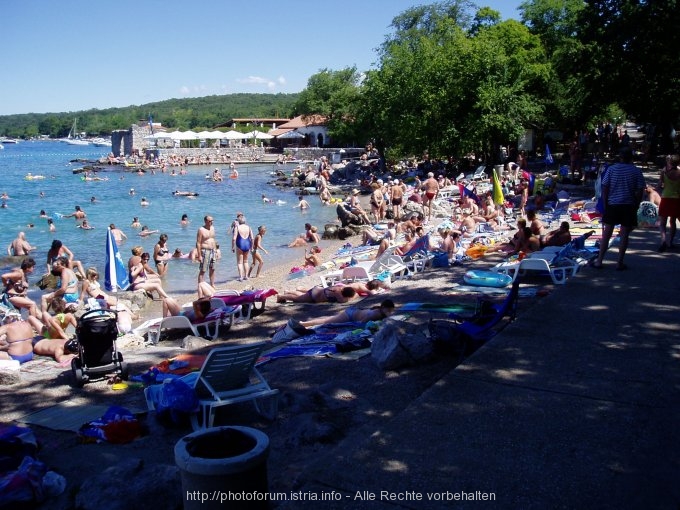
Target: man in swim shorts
205 248
431 189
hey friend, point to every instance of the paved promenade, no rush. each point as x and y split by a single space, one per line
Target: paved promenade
574 405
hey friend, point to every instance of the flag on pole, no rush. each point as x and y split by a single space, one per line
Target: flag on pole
151 123
498 197
548 156
465 191
115 274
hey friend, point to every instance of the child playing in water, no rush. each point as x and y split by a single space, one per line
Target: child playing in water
257 246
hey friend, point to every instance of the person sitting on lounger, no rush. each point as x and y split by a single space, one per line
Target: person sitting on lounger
336 294
559 237
354 314
199 309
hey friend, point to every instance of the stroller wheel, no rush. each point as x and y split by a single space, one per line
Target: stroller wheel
77 371
124 371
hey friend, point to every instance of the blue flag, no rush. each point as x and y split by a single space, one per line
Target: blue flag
115 274
548 156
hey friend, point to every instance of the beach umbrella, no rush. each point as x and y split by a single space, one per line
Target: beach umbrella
548 156
498 197
217 135
291 135
234 135
258 135
115 272
204 135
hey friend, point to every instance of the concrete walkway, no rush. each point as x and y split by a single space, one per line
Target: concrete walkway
574 405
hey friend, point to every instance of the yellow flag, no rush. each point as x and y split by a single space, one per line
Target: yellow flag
498 197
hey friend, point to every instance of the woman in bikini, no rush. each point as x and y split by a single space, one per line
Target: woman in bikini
92 288
336 294
59 250
16 341
16 287
161 255
354 314
138 277
241 243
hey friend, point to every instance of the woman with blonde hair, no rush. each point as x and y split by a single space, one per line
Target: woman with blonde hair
92 288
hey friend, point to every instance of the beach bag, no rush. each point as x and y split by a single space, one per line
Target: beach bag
441 260
290 331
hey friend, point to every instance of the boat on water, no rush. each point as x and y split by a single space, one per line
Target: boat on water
101 142
1 146
73 138
8 140
30 177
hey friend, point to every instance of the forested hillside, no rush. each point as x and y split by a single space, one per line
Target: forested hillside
193 113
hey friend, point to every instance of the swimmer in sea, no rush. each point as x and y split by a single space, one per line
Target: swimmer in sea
184 222
131 192
135 223
144 202
146 232
85 225
302 204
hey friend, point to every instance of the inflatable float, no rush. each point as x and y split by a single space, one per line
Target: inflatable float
31 177
486 279
185 193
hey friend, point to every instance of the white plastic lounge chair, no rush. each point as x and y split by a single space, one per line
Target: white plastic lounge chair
242 312
395 265
356 273
228 376
169 323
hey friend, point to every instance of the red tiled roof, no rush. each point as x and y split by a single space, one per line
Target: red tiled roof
304 120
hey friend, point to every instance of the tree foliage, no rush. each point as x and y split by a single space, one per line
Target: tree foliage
183 114
450 89
333 94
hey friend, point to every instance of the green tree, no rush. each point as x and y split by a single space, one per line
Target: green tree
449 90
333 94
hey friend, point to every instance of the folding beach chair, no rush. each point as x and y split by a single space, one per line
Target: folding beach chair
228 376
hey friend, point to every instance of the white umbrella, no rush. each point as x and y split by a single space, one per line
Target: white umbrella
234 135
205 135
217 135
258 135
189 135
176 135
291 135
158 136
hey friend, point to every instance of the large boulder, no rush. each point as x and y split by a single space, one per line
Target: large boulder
399 344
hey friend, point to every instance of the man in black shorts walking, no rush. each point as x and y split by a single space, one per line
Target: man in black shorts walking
622 187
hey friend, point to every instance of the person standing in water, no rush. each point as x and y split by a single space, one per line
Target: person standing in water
258 246
205 249
241 243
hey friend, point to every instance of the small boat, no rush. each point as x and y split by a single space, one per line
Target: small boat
101 142
8 140
73 138
30 177
185 193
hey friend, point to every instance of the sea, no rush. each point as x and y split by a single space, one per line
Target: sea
62 190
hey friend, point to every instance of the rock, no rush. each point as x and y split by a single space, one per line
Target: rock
130 341
191 342
137 298
330 231
399 344
10 372
131 485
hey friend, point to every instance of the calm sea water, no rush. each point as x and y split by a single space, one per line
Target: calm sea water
64 190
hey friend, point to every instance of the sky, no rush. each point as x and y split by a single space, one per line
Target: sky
72 55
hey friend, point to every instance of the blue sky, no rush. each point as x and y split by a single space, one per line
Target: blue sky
70 55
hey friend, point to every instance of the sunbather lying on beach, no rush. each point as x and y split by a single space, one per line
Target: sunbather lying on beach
335 294
354 314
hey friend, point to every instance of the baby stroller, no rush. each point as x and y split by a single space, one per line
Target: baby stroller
96 335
